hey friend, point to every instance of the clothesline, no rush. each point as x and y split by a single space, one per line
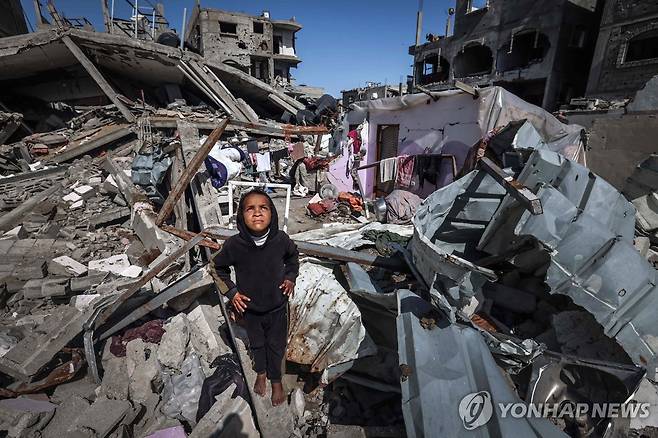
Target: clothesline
444 156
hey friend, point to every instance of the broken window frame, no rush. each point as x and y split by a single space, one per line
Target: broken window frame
540 40
652 34
223 28
258 27
470 46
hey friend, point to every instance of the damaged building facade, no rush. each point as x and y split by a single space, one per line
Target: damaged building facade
538 50
626 55
258 45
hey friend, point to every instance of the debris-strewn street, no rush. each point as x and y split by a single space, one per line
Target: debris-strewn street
475 259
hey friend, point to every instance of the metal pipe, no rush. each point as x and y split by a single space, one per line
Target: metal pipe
182 33
112 18
136 16
153 26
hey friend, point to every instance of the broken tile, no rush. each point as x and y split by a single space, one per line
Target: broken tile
131 271
114 264
72 198
66 266
85 192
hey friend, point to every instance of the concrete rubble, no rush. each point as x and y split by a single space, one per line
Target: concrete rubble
484 259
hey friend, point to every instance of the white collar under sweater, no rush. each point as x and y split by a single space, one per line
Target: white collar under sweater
260 240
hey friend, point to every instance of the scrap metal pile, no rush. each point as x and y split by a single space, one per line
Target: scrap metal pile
528 278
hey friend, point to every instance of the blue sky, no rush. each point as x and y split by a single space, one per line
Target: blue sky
343 44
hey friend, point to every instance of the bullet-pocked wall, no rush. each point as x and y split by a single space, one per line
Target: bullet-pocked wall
257 45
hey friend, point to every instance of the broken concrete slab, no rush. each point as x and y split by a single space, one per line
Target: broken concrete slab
173 344
77 205
39 346
102 417
114 264
204 323
66 414
143 368
31 269
115 383
83 284
85 191
72 198
32 289
55 287
131 271
66 266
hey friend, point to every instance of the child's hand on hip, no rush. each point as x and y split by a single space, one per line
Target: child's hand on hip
239 301
287 287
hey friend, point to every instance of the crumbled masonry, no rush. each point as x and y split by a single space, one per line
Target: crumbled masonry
452 243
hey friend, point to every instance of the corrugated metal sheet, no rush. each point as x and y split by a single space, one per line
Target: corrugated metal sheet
325 325
587 226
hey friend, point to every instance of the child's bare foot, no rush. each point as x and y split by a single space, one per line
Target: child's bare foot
260 385
277 394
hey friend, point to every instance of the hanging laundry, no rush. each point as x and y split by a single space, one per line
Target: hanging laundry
263 163
355 136
428 168
388 169
252 147
405 171
297 152
279 155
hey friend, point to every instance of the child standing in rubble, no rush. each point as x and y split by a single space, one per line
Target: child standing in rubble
266 265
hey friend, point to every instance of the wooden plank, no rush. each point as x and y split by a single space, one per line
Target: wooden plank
281 103
98 77
78 151
312 249
189 172
11 219
227 98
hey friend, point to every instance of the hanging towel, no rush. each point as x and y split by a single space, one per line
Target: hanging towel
263 163
405 171
388 169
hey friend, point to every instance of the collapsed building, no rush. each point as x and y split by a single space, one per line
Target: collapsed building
457 249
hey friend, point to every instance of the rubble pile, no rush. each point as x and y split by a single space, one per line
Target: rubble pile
515 272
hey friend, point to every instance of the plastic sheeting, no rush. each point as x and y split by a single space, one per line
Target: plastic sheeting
325 328
182 391
498 107
350 236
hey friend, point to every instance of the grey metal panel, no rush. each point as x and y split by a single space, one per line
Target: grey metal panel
588 227
446 363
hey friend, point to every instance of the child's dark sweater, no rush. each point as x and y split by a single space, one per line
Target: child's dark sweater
259 270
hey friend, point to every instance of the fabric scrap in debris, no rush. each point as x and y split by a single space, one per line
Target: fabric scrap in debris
151 332
227 372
